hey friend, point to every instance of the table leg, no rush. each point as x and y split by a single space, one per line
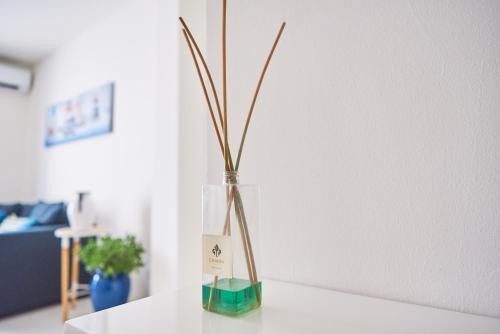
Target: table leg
74 272
64 277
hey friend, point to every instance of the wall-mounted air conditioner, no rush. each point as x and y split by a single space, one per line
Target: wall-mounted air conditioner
15 78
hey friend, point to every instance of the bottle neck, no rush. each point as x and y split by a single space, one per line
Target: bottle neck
230 177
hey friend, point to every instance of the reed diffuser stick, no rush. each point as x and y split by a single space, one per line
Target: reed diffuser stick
259 84
234 194
241 218
246 241
207 70
211 82
200 76
226 230
252 273
224 81
227 225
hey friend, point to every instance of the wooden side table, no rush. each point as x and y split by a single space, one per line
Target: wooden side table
66 234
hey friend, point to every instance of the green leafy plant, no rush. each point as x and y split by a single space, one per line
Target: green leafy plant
112 256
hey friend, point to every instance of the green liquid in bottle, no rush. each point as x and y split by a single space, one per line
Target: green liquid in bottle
232 296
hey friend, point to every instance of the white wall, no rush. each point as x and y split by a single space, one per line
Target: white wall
180 155
13 116
192 143
164 212
117 168
376 142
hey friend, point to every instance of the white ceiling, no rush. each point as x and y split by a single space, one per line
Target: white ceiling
31 29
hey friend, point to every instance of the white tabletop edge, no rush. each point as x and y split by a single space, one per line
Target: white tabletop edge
319 310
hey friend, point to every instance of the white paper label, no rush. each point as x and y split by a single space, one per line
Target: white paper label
217 255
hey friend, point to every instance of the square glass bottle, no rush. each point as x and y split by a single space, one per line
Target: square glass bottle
231 214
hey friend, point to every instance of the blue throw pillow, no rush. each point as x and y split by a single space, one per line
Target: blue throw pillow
11 208
45 213
25 210
3 214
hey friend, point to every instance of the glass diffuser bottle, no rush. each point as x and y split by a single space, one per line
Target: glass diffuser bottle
230 247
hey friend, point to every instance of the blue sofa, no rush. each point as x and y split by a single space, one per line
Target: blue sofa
30 259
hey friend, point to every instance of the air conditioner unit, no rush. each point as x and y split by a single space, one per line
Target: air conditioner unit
15 78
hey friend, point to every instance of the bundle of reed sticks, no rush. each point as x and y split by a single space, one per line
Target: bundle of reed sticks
233 194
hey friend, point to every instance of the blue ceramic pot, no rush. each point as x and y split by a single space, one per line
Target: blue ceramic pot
107 292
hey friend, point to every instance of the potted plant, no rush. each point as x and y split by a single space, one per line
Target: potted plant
111 260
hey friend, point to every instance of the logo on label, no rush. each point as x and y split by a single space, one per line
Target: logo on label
216 251
217 255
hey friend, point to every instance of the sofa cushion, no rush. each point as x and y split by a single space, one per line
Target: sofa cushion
25 209
46 214
11 208
14 223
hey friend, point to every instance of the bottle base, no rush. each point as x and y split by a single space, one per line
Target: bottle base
232 296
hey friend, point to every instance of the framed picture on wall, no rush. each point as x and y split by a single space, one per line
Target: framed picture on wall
86 115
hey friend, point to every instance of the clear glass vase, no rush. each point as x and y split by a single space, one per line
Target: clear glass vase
231 214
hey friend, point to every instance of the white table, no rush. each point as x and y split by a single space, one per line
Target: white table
288 308
66 234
